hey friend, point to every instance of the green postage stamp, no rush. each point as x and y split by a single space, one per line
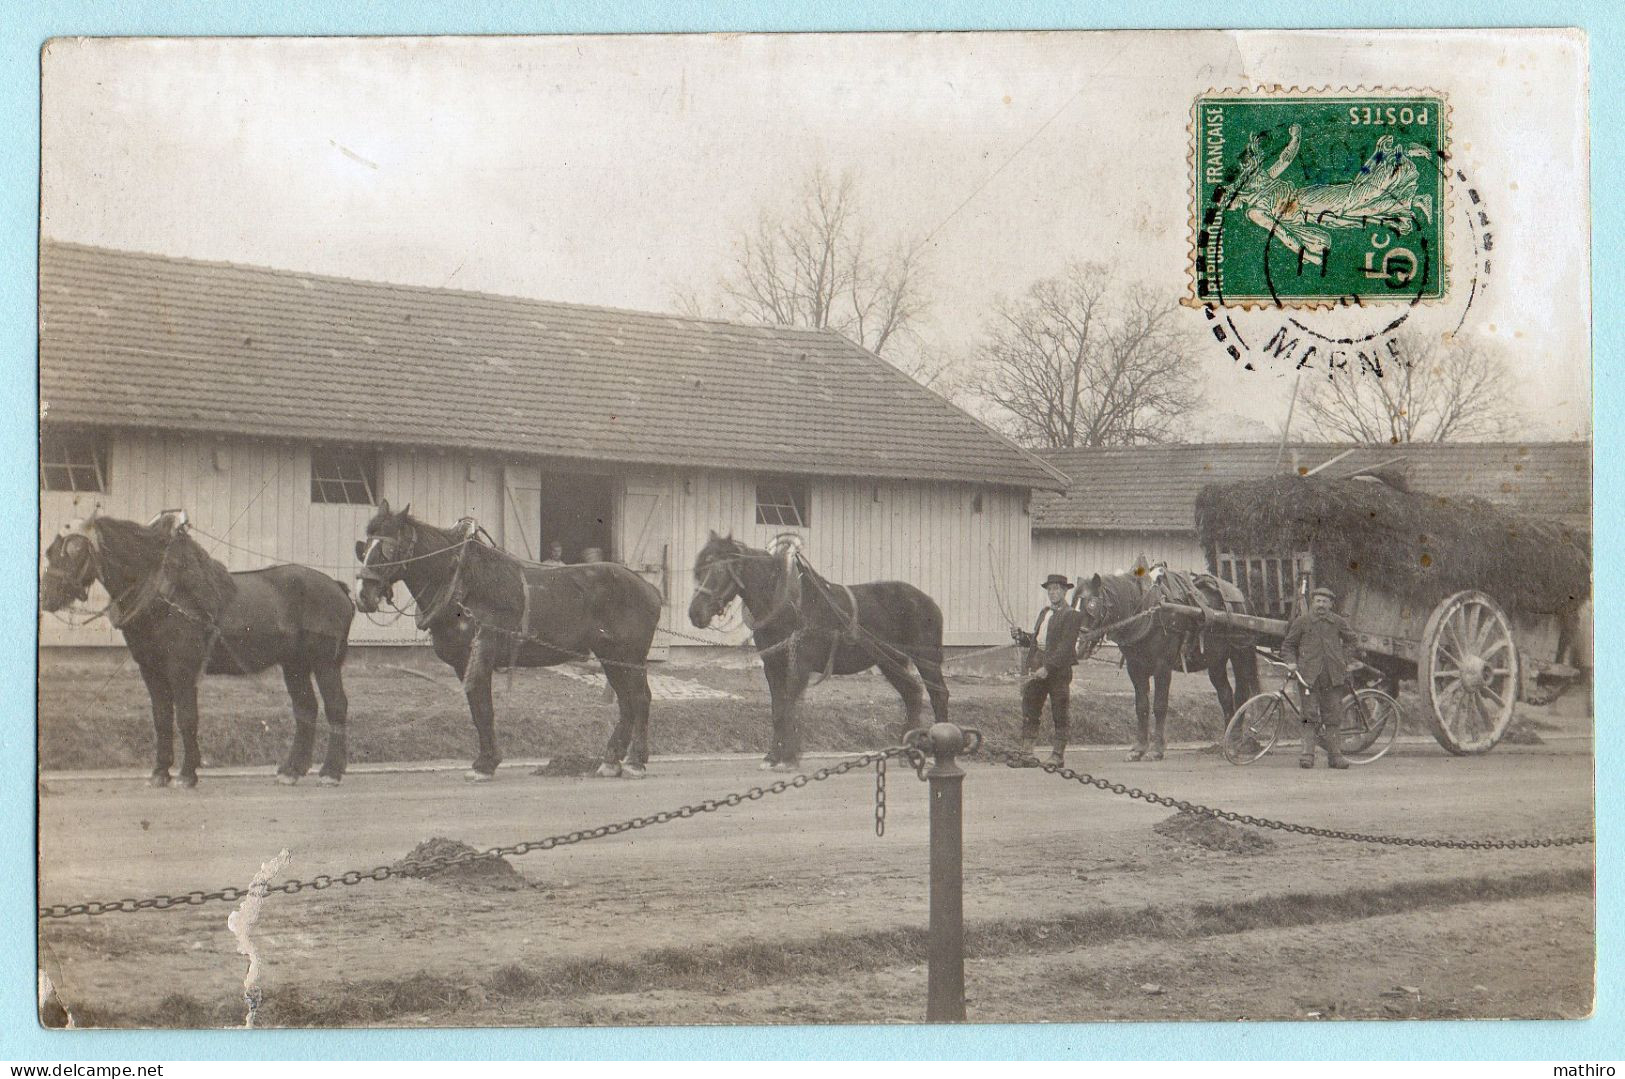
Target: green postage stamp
1306 199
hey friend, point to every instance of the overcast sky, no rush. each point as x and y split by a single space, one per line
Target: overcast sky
619 171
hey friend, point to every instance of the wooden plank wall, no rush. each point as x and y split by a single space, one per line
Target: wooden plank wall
257 496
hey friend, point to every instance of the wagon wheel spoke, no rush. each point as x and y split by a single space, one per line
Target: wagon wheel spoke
1470 624
1454 632
1499 700
1487 627
1499 646
1455 660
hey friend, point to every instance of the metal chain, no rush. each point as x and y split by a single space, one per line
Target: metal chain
880 797
429 866
1019 760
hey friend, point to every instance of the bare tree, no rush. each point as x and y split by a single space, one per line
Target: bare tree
1428 390
815 265
1083 360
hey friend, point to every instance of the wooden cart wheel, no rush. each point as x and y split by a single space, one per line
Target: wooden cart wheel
1468 673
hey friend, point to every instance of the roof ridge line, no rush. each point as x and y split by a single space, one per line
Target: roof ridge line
260 267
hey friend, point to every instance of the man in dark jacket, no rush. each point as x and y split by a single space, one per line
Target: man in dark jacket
1052 650
1316 646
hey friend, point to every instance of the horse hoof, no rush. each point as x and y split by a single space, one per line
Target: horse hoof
285 779
1157 756
188 782
785 766
633 771
158 779
608 771
330 781
474 775
1135 755
767 766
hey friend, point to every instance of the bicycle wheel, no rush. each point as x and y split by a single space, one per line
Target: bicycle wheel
1253 729
1370 725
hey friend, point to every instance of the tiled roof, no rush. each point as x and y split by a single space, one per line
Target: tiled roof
143 340
1153 488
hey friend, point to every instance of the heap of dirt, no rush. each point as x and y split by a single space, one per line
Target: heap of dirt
568 764
1522 733
1188 826
486 874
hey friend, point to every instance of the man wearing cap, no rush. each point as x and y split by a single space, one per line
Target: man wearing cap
1052 649
1316 647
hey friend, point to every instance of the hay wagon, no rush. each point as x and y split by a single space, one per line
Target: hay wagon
1481 607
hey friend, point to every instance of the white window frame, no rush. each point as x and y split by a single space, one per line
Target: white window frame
336 480
783 503
71 461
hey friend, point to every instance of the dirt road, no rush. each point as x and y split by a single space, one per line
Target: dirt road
789 909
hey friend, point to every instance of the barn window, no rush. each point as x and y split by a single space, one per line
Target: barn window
782 502
72 461
343 475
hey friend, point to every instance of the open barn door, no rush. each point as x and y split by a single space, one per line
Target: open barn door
643 536
521 510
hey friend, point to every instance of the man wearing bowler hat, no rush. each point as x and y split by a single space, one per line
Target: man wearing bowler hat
1052 649
1316 646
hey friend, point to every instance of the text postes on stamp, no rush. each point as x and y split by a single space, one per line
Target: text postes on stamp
1306 199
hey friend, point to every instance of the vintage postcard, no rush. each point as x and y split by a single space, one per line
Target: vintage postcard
815 529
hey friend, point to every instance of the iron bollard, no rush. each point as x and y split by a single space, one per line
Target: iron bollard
945 978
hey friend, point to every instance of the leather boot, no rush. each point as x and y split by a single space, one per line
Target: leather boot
1334 748
1025 752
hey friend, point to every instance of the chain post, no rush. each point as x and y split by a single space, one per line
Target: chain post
945 975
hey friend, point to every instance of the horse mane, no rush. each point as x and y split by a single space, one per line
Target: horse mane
200 582
488 571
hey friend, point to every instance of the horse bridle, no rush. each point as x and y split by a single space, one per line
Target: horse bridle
79 585
391 548
706 588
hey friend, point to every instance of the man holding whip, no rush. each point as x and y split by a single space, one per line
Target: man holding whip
1052 650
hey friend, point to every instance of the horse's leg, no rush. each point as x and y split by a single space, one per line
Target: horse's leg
1245 663
163 720
630 741
908 688
477 688
1218 672
795 684
183 683
1141 679
330 680
776 667
296 676
929 663
1159 710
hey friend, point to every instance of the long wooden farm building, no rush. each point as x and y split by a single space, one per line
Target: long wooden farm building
278 407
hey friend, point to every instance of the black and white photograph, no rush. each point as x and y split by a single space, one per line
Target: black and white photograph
799 529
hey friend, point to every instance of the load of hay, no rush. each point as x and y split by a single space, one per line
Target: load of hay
1424 546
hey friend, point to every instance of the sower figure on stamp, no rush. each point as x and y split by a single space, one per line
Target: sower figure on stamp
1052 650
1316 646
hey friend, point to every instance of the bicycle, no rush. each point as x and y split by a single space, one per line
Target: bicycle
1367 730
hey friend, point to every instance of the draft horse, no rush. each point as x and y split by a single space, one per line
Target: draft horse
183 615
804 624
486 610
1155 644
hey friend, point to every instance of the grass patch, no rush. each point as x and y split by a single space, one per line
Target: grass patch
721 969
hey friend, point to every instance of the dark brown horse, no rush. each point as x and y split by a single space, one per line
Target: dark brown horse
183 615
1155 645
803 624
485 609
